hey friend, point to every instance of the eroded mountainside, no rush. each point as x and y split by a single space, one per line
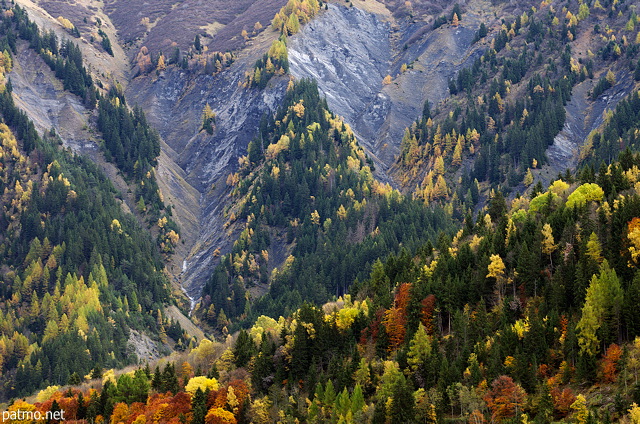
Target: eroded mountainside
350 69
376 63
391 159
350 51
372 42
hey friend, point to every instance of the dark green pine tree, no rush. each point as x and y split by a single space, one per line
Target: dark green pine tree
263 371
55 407
106 404
402 404
93 407
379 413
82 407
156 382
199 407
545 404
254 151
630 308
96 372
213 372
74 379
244 349
170 379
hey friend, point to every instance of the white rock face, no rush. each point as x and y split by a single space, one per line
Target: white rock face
349 52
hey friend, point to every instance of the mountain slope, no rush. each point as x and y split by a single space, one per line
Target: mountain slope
76 264
285 206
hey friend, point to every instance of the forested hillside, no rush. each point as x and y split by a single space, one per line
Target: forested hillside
484 327
483 290
129 142
508 107
77 272
305 187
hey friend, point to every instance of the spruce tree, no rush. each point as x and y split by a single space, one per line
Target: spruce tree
198 407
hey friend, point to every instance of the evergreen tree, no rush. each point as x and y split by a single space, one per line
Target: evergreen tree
402 404
244 349
199 407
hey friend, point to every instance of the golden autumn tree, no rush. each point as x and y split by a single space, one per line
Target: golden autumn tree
208 119
548 243
528 178
457 154
633 234
634 413
161 63
19 409
220 416
581 413
496 269
120 413
440 189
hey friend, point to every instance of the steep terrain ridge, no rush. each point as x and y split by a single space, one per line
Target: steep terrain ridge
174 103
584 115
193 165
87 16
349 51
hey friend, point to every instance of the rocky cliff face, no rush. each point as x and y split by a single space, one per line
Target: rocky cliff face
193 165
349 51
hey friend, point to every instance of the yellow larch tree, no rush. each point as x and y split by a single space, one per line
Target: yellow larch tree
548 243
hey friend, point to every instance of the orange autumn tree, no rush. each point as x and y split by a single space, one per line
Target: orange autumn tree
165 408
395 323
505 398
562 401
476 417
427 307
610 362
217 398
67 401
395 319
401 300
137 410
180 405
241 392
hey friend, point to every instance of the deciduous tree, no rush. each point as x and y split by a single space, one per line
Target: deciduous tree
505 399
